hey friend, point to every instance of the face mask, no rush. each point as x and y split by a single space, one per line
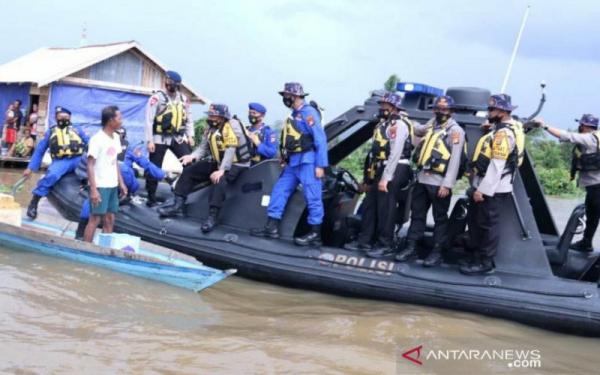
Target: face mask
253 120
63 123
383 114
288 101
212 123
441 118
171 88
494 119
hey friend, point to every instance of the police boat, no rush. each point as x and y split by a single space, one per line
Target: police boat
538 280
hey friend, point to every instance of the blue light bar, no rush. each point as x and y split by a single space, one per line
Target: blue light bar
419 88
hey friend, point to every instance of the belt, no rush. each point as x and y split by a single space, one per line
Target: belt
401 161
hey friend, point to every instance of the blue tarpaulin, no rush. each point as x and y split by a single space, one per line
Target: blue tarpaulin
86 104
9 93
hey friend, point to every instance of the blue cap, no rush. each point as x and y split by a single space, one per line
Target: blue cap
393 99
257 107
501 102
588 120
443 101
220 110
293 88
174 76
58 109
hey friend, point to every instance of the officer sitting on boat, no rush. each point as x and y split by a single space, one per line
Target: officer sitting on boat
304 151
169 126
586 161
127 157
66 144
263 140
387 170
439 159
497 156
225 142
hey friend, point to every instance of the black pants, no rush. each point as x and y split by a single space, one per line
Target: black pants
157 157
483 219
592 211
423 197
200 172
380 209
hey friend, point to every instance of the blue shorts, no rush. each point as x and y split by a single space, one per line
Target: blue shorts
109 201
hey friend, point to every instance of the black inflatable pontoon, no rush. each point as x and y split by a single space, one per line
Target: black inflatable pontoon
538 280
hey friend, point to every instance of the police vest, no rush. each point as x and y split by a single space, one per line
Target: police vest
293 140
586 162
65 143
493 145
221 138
252 148
172 119
380 149
433 153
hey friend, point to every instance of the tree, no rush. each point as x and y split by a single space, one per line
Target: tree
199 126
390 84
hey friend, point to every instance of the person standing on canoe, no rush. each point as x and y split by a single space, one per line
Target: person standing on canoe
496 159
66 144
586 161
387 170
104 175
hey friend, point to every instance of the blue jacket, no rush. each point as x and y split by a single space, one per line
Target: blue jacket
42 146
308 121
267 149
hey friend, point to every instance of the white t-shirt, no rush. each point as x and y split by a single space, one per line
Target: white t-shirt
105 150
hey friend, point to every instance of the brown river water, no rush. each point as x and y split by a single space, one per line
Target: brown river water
61 317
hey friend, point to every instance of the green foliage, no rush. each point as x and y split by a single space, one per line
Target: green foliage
199 126
390 84
355 161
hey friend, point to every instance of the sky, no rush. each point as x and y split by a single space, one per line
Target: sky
235 52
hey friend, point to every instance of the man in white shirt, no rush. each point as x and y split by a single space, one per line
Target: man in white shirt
104 176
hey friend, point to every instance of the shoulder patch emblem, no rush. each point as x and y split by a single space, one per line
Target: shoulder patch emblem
310 120
455 138
153 100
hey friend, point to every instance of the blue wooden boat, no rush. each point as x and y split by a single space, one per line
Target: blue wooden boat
164 266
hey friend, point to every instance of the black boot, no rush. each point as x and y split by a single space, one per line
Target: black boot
410 251
434 258
152 202
584 245
175 209
357 246
211 221
481 266
380 251
312 238
270 230
33 207
81 229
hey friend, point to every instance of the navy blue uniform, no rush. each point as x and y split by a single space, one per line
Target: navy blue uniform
267 149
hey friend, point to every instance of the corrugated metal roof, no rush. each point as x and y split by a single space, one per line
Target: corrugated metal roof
47 65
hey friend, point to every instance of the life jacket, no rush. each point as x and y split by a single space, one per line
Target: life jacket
65 142
221 138
433 153
172 119
252 149
380 148
586 162
485 149
293 140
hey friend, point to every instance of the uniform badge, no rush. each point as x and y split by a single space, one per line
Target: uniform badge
500 146
391 131
153 100
310 120
273 138
455 138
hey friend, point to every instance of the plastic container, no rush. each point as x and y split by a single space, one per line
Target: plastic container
119 241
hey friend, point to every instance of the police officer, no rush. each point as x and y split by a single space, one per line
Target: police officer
225 143
169 126
438 157
66 144
127 157
304 150
263 140
387 171
586 161
495 161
